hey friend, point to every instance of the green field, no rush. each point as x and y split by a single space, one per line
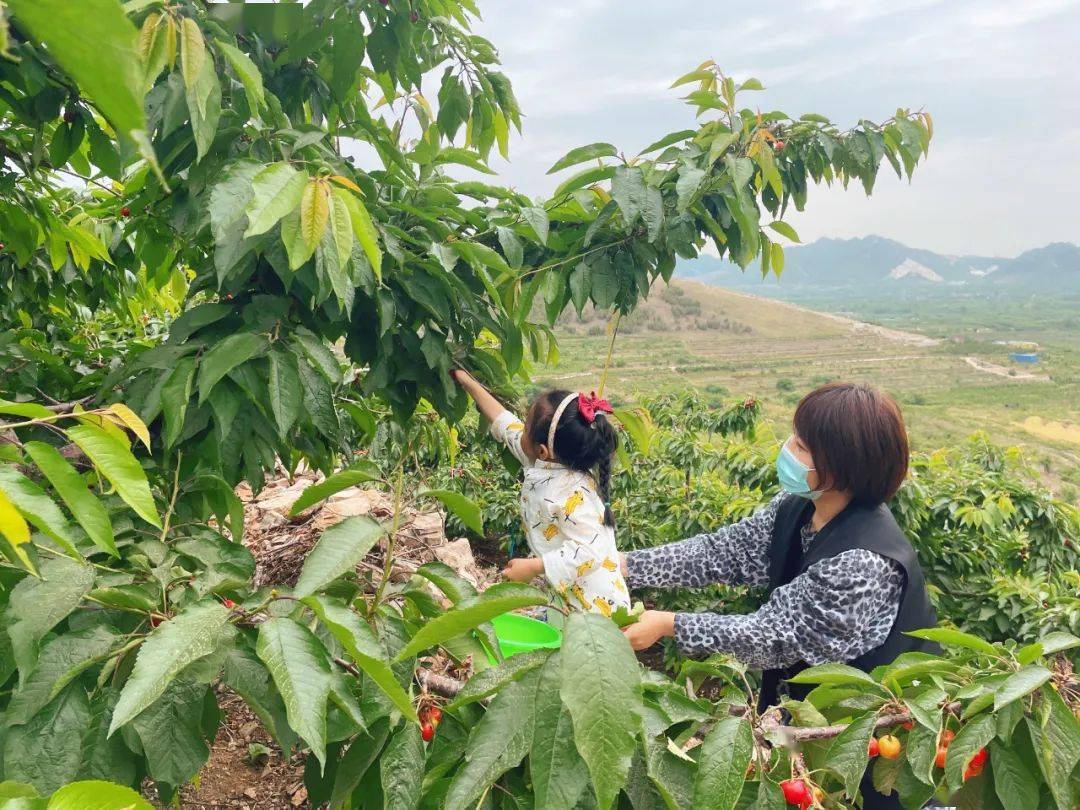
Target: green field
728 345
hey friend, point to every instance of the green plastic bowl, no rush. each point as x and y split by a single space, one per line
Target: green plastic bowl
518 634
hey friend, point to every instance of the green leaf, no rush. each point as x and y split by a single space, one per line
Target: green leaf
725 752
36 606
463 508
37 507
192 51
628 191
47 751
605 283
601 687
837 674
668 140
1056 740
921 751
583 153
70 486
247 72
363 647
97 795
1053 643
276 191
586 177
338 551
297 662
115 461
784 229
497 743
1020 684
193 633
580 285
498 599
559 774
538 221
129 597
175 397
204 102
956 638
364 229
443 577
95 44
638 424
846 756
314 212
286 396
61 660
486 683
341 226
926 708
401 769
971 737
246 675
343 479
223 357
1016 786
362 753
27 410
171 735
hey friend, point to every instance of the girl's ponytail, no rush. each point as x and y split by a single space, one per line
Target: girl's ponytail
607 439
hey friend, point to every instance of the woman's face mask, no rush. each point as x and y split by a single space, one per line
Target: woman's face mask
793 474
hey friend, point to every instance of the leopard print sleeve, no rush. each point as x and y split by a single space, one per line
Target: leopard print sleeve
734 555
837 610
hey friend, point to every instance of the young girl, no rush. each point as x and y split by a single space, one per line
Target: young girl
567 518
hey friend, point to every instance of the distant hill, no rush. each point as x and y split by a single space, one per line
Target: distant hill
874 265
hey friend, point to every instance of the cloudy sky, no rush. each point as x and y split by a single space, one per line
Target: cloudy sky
1001 79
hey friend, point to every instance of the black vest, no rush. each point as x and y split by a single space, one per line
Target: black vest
869 527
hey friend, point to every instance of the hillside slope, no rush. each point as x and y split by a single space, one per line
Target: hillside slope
729 345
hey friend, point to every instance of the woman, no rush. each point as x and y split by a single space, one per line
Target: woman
844 582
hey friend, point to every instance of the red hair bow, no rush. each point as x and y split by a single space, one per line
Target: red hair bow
589 406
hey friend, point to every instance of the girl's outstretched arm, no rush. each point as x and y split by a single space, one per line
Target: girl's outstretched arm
734 555
485 402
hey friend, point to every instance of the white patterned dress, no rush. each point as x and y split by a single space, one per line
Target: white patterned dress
563 517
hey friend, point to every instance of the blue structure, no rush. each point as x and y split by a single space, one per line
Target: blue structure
1024 357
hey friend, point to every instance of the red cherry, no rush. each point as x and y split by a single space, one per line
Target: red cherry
979 759
413 16
874 749
125 211
778 145
229 603
1 245
909 725
939 759
971 771
434 715
796 793
427 731
156 619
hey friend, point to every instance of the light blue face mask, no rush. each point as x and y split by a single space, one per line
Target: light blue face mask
792 474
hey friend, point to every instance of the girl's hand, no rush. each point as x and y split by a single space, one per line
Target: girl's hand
523 569
463 378
652 626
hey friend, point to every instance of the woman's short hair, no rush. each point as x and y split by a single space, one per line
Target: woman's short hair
856 436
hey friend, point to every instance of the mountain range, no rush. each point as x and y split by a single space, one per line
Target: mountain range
874 265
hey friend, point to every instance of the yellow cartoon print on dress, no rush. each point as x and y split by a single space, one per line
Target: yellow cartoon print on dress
515 426
550 531
619 585
580 596
602 606
584 568
609 564
572 503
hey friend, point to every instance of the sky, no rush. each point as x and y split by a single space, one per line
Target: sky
1001 80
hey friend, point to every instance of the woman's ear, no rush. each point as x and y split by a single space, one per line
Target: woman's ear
543 453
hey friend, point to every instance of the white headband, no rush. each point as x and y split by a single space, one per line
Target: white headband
555 421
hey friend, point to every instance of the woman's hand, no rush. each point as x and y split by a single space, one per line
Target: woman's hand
523 569
652 626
